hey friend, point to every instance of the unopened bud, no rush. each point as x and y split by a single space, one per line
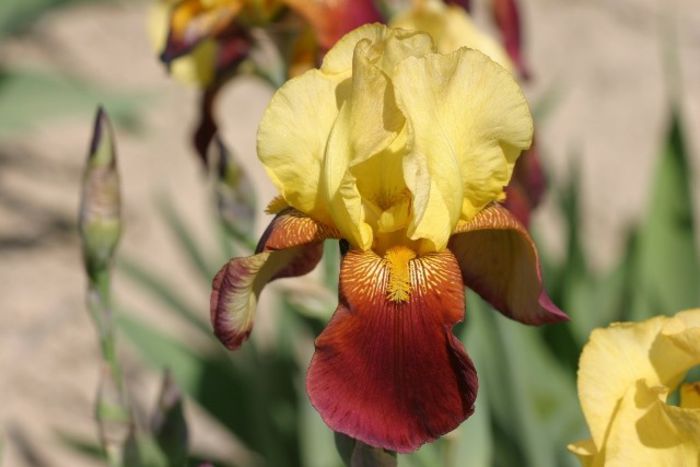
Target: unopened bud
99 219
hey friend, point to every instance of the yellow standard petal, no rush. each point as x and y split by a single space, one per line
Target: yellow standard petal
451 28
292 139
391 142
468 121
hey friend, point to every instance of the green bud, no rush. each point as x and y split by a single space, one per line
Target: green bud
99 219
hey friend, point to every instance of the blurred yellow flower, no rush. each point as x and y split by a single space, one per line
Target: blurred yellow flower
393 143
197 67
626 374
451 28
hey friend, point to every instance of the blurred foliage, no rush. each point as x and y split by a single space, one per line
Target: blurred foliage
18 15
29 97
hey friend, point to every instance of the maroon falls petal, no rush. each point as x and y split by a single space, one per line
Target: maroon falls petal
499 261
291 246
387 369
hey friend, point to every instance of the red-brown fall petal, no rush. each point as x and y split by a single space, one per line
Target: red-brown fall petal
291 246
499 261
391 374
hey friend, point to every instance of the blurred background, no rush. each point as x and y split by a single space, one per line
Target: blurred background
604 74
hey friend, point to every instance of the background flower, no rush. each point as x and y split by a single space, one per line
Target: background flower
626 375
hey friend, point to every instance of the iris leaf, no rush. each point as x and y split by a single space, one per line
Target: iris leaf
668 268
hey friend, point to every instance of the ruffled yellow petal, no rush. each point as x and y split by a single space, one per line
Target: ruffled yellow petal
468 121
647 431
363 178
624 359
451 28
292 139
390 45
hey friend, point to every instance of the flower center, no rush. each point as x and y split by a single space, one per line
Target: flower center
399 287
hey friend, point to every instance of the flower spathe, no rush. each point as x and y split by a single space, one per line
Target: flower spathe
403 153
626 373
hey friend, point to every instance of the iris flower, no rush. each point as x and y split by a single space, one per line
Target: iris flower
204 42
626 374
402 153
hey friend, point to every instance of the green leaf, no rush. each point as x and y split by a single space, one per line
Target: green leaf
87 448
168 423
668 266
186 241
27 98
532 399
141 450
235 196
160 289
17 15
250 393
368 456
318 447
473 440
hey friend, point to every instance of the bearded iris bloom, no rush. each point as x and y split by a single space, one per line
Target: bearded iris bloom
626 374
402 153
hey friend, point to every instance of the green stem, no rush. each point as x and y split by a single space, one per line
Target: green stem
112 409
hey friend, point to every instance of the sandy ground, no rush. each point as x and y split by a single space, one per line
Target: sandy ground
602 58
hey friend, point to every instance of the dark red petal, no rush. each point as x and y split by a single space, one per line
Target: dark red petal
295 250
530 175
499 261
527 186
391 374
517 203
466 4
507 18
207 126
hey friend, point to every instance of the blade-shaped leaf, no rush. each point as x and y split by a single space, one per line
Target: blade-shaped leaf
193 249
532 399
250 393
159 288
168 423
668 275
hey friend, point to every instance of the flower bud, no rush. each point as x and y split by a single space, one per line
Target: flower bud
99 217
